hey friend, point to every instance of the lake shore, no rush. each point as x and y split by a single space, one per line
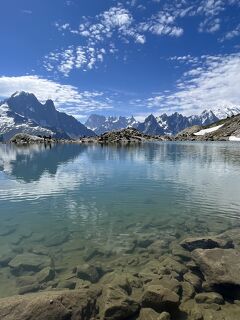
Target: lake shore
191 278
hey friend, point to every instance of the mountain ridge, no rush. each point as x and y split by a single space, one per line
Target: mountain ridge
158 125
23 113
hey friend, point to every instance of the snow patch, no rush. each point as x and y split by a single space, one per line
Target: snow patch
209 130
234 138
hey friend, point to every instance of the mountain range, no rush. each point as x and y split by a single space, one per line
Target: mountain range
23 113
101 124
160 125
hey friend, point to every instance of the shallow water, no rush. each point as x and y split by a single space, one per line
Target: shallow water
105 197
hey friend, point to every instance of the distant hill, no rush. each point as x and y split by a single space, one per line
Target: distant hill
23 113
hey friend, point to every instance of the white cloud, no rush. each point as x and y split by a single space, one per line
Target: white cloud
232 34
213 84
162 23
123 24
26 11
210 25
66 97
79 57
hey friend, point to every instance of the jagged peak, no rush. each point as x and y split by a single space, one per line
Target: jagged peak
21 93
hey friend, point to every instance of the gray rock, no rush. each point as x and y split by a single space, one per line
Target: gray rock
206 243
28 262
219 266
160 299
209 298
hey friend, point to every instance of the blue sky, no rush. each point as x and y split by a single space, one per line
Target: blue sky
122 57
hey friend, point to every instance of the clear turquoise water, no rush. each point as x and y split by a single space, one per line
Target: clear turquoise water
106 196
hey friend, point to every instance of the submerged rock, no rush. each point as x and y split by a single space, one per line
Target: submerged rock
92 253
57 238
67 284
46 274
206 243
89 272
28 262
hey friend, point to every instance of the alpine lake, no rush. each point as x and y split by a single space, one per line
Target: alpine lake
66 209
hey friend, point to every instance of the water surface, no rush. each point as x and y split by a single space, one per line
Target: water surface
106 197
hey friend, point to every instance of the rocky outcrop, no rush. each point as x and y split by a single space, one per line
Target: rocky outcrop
220 267
129 135
226 128
62 305
24 138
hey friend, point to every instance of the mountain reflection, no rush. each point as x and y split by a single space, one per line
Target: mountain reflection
28 163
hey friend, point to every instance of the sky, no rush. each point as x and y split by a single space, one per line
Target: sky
132 57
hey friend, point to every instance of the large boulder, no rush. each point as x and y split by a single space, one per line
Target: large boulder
219 266
160 299
62 305
117 305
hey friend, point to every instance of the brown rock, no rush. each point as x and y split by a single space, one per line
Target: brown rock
63 305
209 298
219 266
160 299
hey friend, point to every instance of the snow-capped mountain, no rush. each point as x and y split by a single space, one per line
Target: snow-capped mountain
100 124
23 113
151 126
226 112
160 125
176 122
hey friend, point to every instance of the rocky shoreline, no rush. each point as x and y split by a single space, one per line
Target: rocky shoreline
195 278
